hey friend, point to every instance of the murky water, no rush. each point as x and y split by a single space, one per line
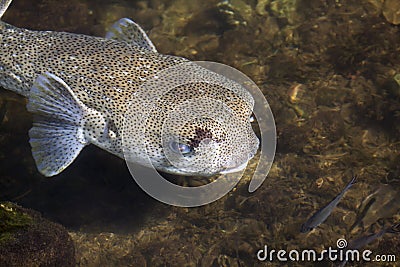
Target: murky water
329 70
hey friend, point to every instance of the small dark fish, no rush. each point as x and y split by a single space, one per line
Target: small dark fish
321 215
365 240
362 241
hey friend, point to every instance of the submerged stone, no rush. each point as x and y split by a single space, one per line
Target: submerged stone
27 239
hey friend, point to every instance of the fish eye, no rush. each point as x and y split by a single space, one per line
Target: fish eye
180 148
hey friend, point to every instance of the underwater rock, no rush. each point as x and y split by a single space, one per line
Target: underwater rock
391 11
27 239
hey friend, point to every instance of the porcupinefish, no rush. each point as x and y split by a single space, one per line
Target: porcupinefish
78 88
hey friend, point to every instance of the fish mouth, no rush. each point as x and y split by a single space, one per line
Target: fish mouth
241 167
234 169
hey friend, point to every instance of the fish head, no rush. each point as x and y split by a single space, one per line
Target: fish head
191 121
305 228
207 131
201 129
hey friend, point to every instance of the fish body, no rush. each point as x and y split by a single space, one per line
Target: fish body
365 240
80 88
362 241
321 215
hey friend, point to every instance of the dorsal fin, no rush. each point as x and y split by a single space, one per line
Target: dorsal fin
3 6
125 30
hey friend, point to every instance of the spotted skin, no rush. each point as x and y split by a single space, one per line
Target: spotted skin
91 80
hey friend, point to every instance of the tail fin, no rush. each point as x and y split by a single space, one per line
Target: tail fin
3 6
352 181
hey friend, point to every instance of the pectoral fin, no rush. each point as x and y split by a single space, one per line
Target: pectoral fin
57 136
125 30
